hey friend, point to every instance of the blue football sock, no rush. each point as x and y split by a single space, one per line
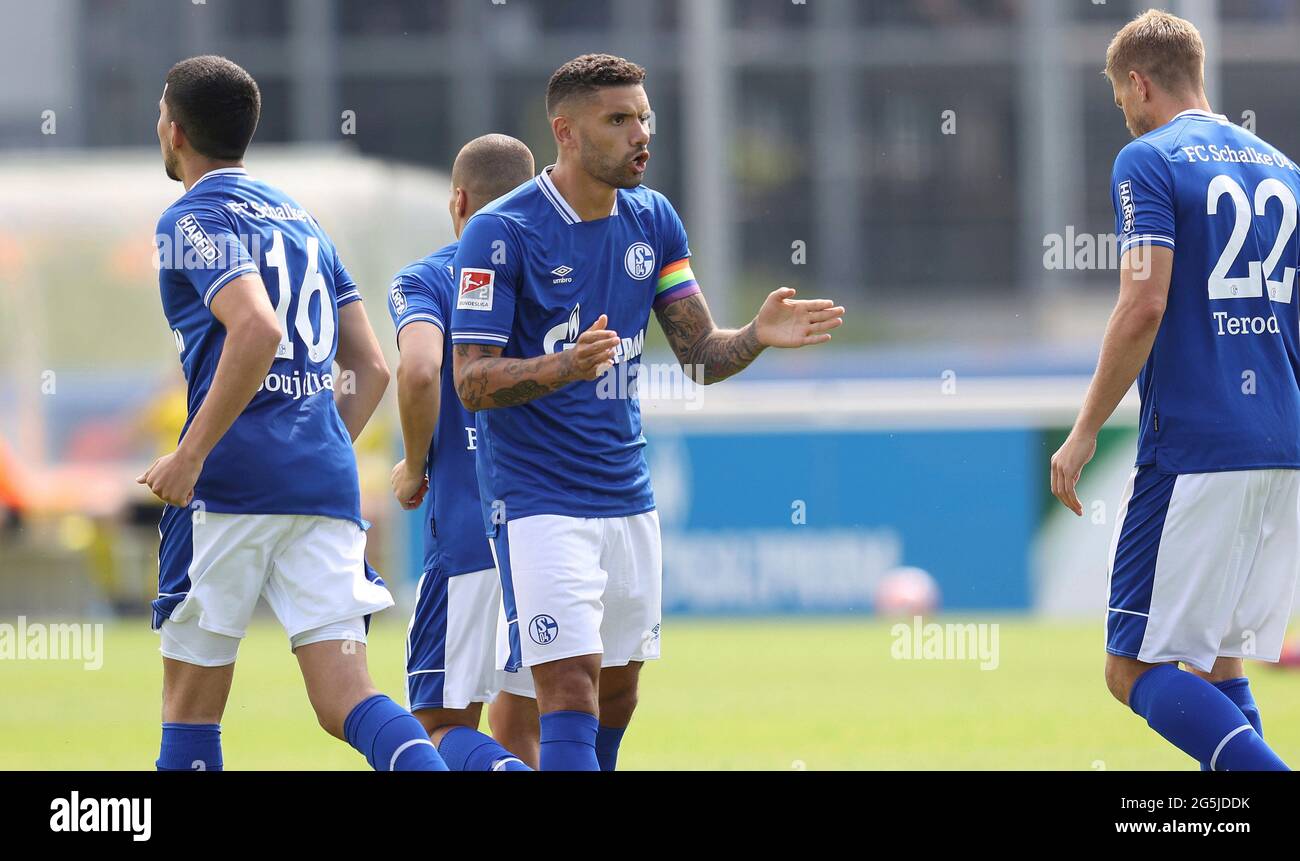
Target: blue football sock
190 747
569 742
1238 690
465 749
390 738
1199 720
608 739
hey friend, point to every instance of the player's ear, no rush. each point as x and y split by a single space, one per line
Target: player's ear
1139 85
175 135
562 129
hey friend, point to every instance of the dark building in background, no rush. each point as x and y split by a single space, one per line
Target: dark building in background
781 127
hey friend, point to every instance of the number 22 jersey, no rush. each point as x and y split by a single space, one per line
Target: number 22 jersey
1219 390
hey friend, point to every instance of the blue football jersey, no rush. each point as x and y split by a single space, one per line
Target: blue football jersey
531 277
289 451
454 540
1219 390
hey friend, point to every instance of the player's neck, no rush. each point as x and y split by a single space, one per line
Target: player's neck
1177 106
589 197
194 171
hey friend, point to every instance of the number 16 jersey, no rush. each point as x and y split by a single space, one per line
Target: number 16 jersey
1219 390
289 451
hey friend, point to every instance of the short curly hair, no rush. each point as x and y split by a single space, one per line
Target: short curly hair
216 103
588 73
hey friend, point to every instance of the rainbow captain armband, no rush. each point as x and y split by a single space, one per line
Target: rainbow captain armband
676 281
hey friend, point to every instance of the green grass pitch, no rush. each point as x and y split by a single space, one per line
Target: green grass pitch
815 694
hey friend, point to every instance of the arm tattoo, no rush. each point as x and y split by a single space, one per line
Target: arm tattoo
698 344
521 393
479 382
471 384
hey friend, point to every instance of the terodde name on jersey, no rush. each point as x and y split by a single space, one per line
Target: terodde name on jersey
1232 325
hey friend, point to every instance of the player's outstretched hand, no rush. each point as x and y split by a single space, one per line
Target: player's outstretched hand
786 322
409 489
593 355
1067 468
172 478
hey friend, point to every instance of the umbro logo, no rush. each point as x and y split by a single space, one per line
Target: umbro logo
562 275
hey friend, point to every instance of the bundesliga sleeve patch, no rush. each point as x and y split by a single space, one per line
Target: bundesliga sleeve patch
476 290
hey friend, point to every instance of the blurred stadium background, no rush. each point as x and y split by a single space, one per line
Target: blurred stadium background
941 167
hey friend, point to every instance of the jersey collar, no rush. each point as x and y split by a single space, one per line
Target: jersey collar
1204 115
557 200
221 171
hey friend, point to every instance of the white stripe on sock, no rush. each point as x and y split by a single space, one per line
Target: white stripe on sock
392 763
1227 738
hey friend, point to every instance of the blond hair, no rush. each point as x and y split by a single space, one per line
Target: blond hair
1163 47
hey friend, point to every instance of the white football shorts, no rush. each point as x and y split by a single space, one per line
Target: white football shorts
580 586
451 643
213 568
1204 566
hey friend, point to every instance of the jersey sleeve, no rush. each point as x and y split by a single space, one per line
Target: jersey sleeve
487 266
411 299
676 280
1143 195
205 249
346 289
